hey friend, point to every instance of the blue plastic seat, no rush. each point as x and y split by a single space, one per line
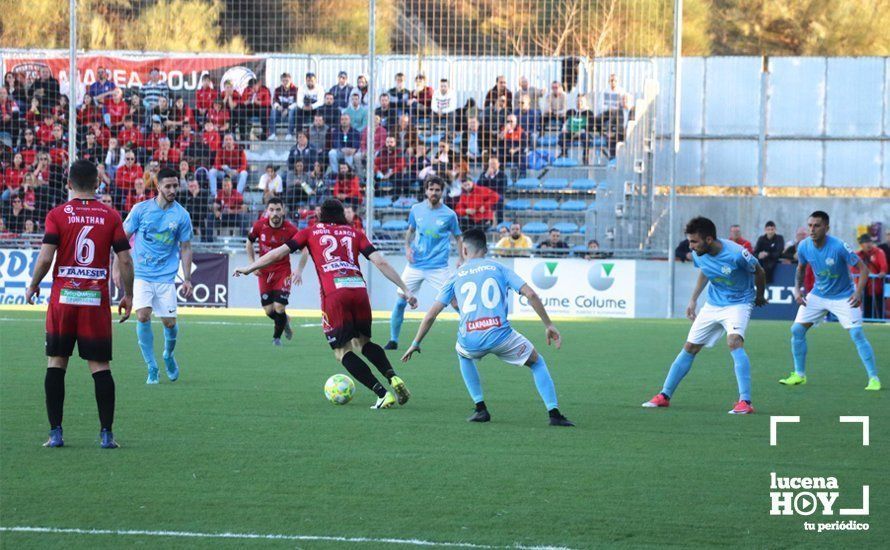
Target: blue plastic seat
545 205
432 139
535 228
573 206
376 225
404 203
395 225
382 202
505 225
518 204
584 185
527 184
565 162
567 228
556 184
548 141
583 229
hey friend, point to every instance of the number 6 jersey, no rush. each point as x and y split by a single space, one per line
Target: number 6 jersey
334 250
481 288
85 231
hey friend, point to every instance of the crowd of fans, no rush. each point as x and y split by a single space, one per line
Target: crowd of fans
132 133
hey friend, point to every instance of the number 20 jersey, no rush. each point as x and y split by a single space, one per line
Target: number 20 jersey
334 250
482 289
85 231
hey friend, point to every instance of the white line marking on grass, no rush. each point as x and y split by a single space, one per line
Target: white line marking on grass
210 323
261 536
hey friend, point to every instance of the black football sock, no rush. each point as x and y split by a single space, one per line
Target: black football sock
54 386
362 372
104 398
377 356
554 413
480 406
280 322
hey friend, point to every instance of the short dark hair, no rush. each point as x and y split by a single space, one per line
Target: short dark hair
83 175
820 214
701 226
275 200
770 224
332 211
435 180
165 173
865 238
475 238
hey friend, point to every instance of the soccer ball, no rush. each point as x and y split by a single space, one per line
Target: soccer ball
339 389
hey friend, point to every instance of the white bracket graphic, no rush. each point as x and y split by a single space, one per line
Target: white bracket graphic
859 420
857 511
774 420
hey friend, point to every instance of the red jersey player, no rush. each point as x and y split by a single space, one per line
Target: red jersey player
272 231
345 308
81 234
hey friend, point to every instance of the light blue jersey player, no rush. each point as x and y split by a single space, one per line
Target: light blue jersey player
834 292
163 231
480 289
737 284
431 225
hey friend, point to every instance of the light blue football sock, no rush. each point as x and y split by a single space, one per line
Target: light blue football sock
742 373
395 322
471 378
799 348
544 383
679 369
146 339
866 353
170 339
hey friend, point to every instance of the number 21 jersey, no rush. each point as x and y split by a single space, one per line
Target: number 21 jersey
334 250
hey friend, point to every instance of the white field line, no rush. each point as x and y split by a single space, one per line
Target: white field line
261 536
209 323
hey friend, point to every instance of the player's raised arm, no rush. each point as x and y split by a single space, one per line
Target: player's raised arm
424 328
535 301
267 259
124 263
856 298
700 285
41 268
380 261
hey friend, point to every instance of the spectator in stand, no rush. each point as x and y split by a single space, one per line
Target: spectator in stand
610 120
185 137
328 111
153 91
34 114
60 111
352 218
555 105
137 110
553 243
46 89
232 161
230 99
577 127
205 96
44 130
389 115
181 115
463 115
116 109
345 142
319 134
104 179
219 116
229 208
283 105
130 136
515 243
107 200
166 156
153 139
16 215
255 102
185 174
300 189
102 88
16 89
495 179
476 206
361 86
114 157
151 174
513 143
102 133
421 97
203 149
498 91
341 91
390 167
13 176
493 120
270 183
379 142
790 253
197 203
594 252
28 193
444 161
58 147
302 152
529 117
136 195
399 95
419 165
28 147
406 135
346 187
735 235
443 105
876 261
769 249
10 116
309 98
885 246
357 113
41 170
89 112
533 94
91 150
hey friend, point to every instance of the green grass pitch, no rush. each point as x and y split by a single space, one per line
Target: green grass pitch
246 443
